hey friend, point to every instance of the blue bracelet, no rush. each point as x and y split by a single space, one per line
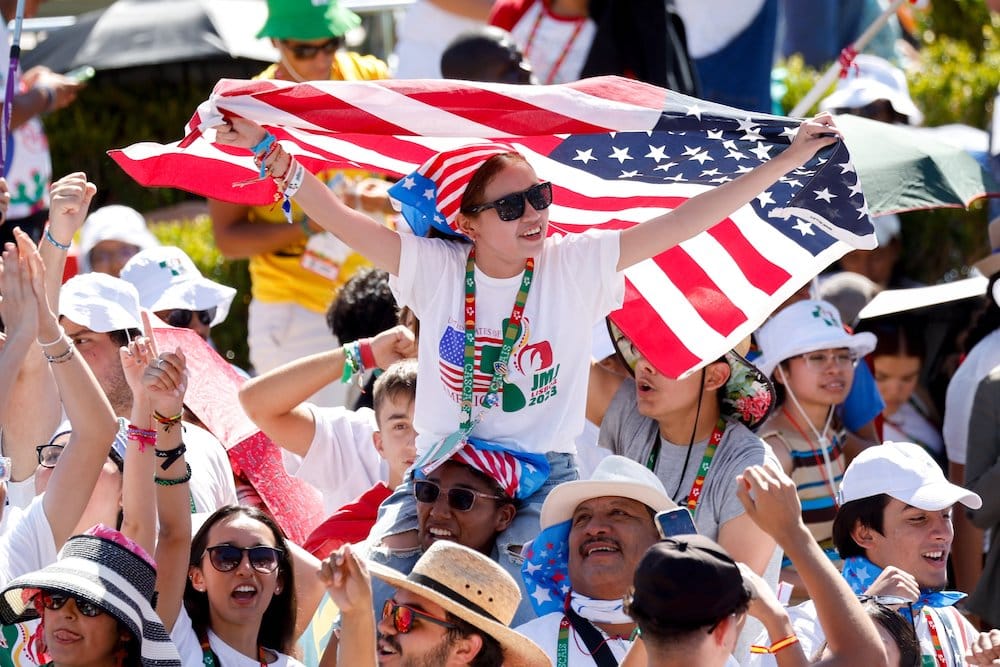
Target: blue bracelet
260 150
52 240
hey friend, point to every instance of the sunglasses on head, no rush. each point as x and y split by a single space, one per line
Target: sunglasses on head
511 207
52 600
309 51
402 617
182 318
226 557
459 498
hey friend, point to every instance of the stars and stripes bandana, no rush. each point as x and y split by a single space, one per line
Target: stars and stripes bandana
546 568
618 152
519 474
860 573
431 196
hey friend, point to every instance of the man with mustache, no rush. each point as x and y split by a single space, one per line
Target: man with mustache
610 525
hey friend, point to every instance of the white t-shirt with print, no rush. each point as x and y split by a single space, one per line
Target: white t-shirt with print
186 640
342 462
543 401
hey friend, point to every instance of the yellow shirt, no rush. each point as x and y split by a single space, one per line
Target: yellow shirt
279 276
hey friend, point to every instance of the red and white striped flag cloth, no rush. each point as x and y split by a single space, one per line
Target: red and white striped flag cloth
617 151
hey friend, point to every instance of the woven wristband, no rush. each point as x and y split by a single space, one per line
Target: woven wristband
174 482
170 455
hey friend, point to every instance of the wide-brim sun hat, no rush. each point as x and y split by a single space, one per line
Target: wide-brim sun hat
167 279
873 78
614 476
806 326
113 223
100 302
106 573
906 472
473 587
307 19
748 396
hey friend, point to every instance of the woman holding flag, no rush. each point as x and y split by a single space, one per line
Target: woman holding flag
505 311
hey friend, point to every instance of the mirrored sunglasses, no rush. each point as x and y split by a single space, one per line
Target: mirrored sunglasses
511 207
53 600
309 51
226 557
182 318
402 617
459 499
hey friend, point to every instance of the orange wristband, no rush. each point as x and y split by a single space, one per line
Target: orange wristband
776 646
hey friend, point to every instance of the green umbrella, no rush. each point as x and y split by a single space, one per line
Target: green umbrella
903 169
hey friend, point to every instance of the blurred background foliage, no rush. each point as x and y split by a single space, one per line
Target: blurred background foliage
953 80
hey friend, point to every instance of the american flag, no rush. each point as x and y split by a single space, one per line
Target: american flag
617 151
451 350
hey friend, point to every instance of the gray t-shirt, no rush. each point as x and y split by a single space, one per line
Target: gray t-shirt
626 432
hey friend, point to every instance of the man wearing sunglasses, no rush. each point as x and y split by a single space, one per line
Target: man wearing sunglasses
295 270
454 608
894 530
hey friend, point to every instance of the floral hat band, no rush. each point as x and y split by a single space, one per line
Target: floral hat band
748 396
432 195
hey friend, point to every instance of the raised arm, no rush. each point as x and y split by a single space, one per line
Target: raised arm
349 585
166 381
138 513
274 401
94 423
378 243
699 213
772 502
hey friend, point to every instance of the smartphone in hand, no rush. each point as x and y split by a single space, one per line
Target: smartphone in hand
676 521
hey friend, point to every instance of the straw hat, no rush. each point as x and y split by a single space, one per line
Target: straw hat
473 587
991 263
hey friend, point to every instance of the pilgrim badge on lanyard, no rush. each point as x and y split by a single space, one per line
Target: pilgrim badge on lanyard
324 255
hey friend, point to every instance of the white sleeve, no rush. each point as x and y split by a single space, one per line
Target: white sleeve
342 448
588 263
28 544
425 267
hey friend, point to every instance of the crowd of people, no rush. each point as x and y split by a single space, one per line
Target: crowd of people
793 501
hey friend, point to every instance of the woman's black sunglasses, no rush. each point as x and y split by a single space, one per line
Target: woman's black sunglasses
511 207
53 600
226 557
459 498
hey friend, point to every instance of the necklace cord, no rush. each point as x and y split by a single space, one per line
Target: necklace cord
694 431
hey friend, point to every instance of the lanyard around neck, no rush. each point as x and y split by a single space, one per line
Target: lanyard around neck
510 334
706 462
209 659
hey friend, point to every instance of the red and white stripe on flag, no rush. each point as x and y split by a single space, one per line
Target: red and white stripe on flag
618 152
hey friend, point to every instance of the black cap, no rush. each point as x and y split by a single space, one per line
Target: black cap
687 581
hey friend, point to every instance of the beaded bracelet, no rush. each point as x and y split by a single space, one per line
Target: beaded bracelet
62 357
170 455
51 239
776 646
167 422
174 482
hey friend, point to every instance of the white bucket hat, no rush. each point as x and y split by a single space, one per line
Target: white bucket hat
905 472
806 326
113 223
873 78
100 302
167 279
614 476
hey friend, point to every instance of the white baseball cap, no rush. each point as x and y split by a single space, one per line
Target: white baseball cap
806 326
113 223
167 279
614 476
100 302
906 472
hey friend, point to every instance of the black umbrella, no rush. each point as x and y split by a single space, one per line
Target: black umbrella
133 33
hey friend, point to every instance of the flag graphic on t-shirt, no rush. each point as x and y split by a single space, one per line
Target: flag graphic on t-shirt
451 351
